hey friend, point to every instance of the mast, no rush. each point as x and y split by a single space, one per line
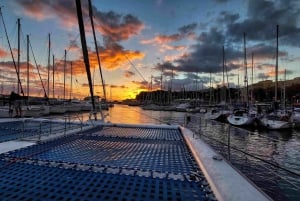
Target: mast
27 36
252 79
53 68
18 61
65 64
210 90
246 74
85 52
223 83
151 94
12 55
48 64
284 83
96 47
226 70
239 91
71 81
276 67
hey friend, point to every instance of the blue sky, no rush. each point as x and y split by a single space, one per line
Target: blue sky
142 37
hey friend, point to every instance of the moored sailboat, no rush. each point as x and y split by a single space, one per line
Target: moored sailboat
277 118
244 116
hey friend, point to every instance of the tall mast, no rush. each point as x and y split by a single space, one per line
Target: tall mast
246 74
96 47
85 52
18 61
223 98
65 66
228 88
210 90
12 55
71 81
252 79
284 83
48 64
276 67
53 69
27 36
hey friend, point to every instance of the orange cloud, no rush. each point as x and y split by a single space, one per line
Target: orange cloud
164 40
64 10
113 59
117 27
3 53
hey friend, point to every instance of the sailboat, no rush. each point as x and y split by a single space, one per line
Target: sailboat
277 118
243 116
296 115
39 108
221 111
22 110
56 106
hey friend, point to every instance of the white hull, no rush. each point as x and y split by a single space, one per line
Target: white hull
4 112
183 107
296 118
57 109
35 111
245 120
73 107
275 124
86 107
217 114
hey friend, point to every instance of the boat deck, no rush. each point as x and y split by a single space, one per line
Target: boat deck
105 163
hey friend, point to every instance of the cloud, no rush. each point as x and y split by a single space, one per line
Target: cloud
262 18
164 41
114 56
128 74
63 10
3 53
141 85
73 46
115 26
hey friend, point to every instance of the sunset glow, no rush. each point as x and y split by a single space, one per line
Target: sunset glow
140 39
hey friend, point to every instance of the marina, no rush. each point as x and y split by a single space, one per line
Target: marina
188 131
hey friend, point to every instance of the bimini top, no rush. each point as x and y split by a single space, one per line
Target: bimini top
105 163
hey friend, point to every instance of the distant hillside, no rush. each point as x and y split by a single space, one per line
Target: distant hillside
269 83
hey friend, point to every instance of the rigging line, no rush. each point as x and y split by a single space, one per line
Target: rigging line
135 68
96 47
12 55
38 70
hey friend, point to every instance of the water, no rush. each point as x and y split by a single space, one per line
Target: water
271 159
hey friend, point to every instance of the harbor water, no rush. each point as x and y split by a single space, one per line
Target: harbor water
270 159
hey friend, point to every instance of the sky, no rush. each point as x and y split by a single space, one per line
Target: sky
147 45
